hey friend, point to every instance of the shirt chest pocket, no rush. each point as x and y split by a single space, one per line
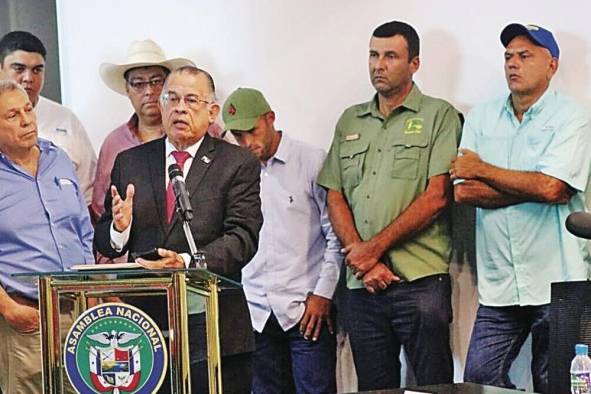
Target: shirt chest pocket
535 146
494 150
352 157
407 158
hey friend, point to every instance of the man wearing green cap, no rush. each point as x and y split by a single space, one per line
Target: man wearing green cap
524 163
290 281
389 190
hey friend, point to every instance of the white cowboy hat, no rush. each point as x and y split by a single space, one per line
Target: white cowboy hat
144 53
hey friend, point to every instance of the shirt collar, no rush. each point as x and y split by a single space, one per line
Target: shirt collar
536 108
132 123
45 147
412 101
191 150
283 149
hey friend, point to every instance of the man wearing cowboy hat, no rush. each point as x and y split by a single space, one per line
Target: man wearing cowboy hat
22 59
140 77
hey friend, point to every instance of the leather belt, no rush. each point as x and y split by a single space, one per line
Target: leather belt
66 305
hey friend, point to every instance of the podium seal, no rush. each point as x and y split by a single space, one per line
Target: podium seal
116 349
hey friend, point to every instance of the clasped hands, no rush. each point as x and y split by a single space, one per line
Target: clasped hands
122 210
362 258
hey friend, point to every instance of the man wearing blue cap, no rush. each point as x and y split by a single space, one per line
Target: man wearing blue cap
524 164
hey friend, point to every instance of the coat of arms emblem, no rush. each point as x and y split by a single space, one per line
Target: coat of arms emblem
115 349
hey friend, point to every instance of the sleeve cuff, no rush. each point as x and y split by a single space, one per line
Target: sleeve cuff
325 287
119 239
186 258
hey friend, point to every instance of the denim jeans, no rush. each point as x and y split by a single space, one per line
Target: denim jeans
497 337
415 315
285 362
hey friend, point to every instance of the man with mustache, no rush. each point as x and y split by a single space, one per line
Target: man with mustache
524 163
22 59
223 184
140 77
388 197
44 226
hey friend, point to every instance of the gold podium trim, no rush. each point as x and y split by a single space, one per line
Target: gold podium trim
175 285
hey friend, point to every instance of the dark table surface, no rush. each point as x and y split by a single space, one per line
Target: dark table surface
457 388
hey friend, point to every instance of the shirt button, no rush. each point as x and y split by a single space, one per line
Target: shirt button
374 173
379 151
368 197
365 221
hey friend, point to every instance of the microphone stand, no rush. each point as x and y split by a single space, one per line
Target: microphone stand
197 255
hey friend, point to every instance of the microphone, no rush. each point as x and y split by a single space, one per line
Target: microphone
579 224
180 191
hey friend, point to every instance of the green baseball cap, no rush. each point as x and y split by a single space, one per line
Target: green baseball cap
243 108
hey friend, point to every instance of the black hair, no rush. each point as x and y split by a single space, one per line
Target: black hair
20 41
165 69
192 70
393 28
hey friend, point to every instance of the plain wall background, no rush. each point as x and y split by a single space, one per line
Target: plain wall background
310 60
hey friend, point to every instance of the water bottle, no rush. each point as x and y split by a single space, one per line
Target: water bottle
580 371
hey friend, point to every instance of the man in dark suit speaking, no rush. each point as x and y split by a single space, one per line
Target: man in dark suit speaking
223 183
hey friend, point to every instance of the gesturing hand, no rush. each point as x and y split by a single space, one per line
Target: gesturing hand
122 208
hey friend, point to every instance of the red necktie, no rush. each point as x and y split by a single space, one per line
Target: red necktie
180 158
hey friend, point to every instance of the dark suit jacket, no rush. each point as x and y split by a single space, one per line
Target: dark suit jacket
223 184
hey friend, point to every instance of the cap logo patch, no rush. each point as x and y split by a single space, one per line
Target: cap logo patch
232 109
532 27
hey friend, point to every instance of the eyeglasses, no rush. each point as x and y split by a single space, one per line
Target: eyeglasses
140 85
191 100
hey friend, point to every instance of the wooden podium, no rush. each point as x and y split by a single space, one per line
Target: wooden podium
79 286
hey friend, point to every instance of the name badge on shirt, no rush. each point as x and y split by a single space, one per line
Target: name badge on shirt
352 137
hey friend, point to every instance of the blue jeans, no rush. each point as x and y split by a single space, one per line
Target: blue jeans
415 315
497 337
285 362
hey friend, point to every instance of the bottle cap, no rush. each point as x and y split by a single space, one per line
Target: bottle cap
581 349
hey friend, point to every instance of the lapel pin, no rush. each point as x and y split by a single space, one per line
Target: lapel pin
205 159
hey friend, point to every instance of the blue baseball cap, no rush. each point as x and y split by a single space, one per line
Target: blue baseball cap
537 34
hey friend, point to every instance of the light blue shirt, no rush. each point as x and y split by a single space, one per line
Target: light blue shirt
44 221
298 251
521 249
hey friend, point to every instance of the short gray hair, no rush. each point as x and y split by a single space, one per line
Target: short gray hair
9 86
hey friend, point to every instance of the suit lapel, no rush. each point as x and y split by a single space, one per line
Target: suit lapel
157 162
201 163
